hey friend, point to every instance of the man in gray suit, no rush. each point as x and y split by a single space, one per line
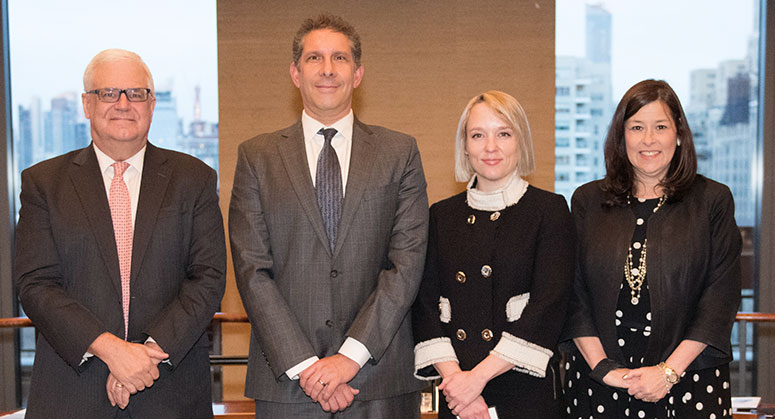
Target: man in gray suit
120 263
328 228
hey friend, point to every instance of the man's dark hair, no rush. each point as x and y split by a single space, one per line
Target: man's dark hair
331 22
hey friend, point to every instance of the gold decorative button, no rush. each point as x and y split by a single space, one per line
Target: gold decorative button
486 271
461 277
461 334
471 219
495 215
487 335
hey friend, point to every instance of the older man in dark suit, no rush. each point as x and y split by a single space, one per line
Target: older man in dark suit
120 263
328 227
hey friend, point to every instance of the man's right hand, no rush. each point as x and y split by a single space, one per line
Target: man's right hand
341 399
132 364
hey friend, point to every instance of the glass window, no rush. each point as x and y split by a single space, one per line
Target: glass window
715 73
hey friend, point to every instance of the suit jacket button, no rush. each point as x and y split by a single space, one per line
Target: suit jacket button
329 323
461 277
495 215
461 334
487 335
486 271
334 273
471 219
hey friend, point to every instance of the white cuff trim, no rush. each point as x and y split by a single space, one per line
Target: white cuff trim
445 310
429 352
527 357
515 306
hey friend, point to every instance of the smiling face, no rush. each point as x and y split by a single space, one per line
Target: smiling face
119 129
326 75
650 137
493 150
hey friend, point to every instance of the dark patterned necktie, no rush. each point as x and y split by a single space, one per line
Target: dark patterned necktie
328 185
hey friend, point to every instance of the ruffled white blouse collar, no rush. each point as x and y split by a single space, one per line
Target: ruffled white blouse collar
499 199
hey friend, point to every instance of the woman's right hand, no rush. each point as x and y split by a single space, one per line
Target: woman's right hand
615 378
476 410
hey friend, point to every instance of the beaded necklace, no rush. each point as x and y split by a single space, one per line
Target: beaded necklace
636 276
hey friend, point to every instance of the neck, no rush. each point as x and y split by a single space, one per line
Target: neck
120 152
647 189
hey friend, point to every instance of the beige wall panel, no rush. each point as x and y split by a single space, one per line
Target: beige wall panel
423 61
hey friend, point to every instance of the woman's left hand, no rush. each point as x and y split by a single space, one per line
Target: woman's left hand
462 388
647 384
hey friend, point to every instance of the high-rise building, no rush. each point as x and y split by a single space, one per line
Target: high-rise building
583 106
165 126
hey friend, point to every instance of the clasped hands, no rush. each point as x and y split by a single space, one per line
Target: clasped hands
326 380
133 367
463 392
646 383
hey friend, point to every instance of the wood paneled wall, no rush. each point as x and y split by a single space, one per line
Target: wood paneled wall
423 61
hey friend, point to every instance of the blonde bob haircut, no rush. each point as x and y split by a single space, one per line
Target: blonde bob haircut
110 56
508 109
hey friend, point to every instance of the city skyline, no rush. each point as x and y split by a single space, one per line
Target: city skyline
663 39
52 42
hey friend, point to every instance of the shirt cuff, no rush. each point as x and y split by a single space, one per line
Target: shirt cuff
355 350
293 372
85 358
152 340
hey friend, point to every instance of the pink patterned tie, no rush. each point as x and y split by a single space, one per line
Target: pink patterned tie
121 213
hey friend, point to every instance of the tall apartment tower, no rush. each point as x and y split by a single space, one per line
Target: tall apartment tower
583 106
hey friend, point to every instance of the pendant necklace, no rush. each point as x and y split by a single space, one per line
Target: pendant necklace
636 275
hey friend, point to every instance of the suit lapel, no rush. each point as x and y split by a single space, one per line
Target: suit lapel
153 186
364 151
90 188
293 153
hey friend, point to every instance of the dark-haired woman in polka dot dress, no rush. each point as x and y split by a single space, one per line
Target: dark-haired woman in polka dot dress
658 274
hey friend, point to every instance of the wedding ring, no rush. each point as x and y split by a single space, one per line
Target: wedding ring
322 383
119 385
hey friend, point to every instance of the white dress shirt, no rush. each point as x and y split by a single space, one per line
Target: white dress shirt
342 144
132 177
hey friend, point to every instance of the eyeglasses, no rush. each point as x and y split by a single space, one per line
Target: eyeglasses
113 94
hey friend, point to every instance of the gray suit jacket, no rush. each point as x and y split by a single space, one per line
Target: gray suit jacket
68 279
301 299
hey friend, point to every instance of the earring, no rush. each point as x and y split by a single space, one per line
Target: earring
678 142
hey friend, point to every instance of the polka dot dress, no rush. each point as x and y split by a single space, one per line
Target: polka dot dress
699 394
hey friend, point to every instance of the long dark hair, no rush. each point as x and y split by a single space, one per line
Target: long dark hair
620 176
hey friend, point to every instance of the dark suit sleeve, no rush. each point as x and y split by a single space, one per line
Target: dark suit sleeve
718 303
530 341
385 309
180 324
579 321
274 325
67 325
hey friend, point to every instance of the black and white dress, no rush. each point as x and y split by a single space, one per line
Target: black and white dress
703 393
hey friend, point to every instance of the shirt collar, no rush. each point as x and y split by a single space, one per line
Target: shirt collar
311 126
135 161
496 200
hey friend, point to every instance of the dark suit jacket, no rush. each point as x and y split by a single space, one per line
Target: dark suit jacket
693 271
301 299
68 279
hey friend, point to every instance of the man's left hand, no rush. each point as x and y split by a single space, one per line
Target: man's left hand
117 393
322 378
